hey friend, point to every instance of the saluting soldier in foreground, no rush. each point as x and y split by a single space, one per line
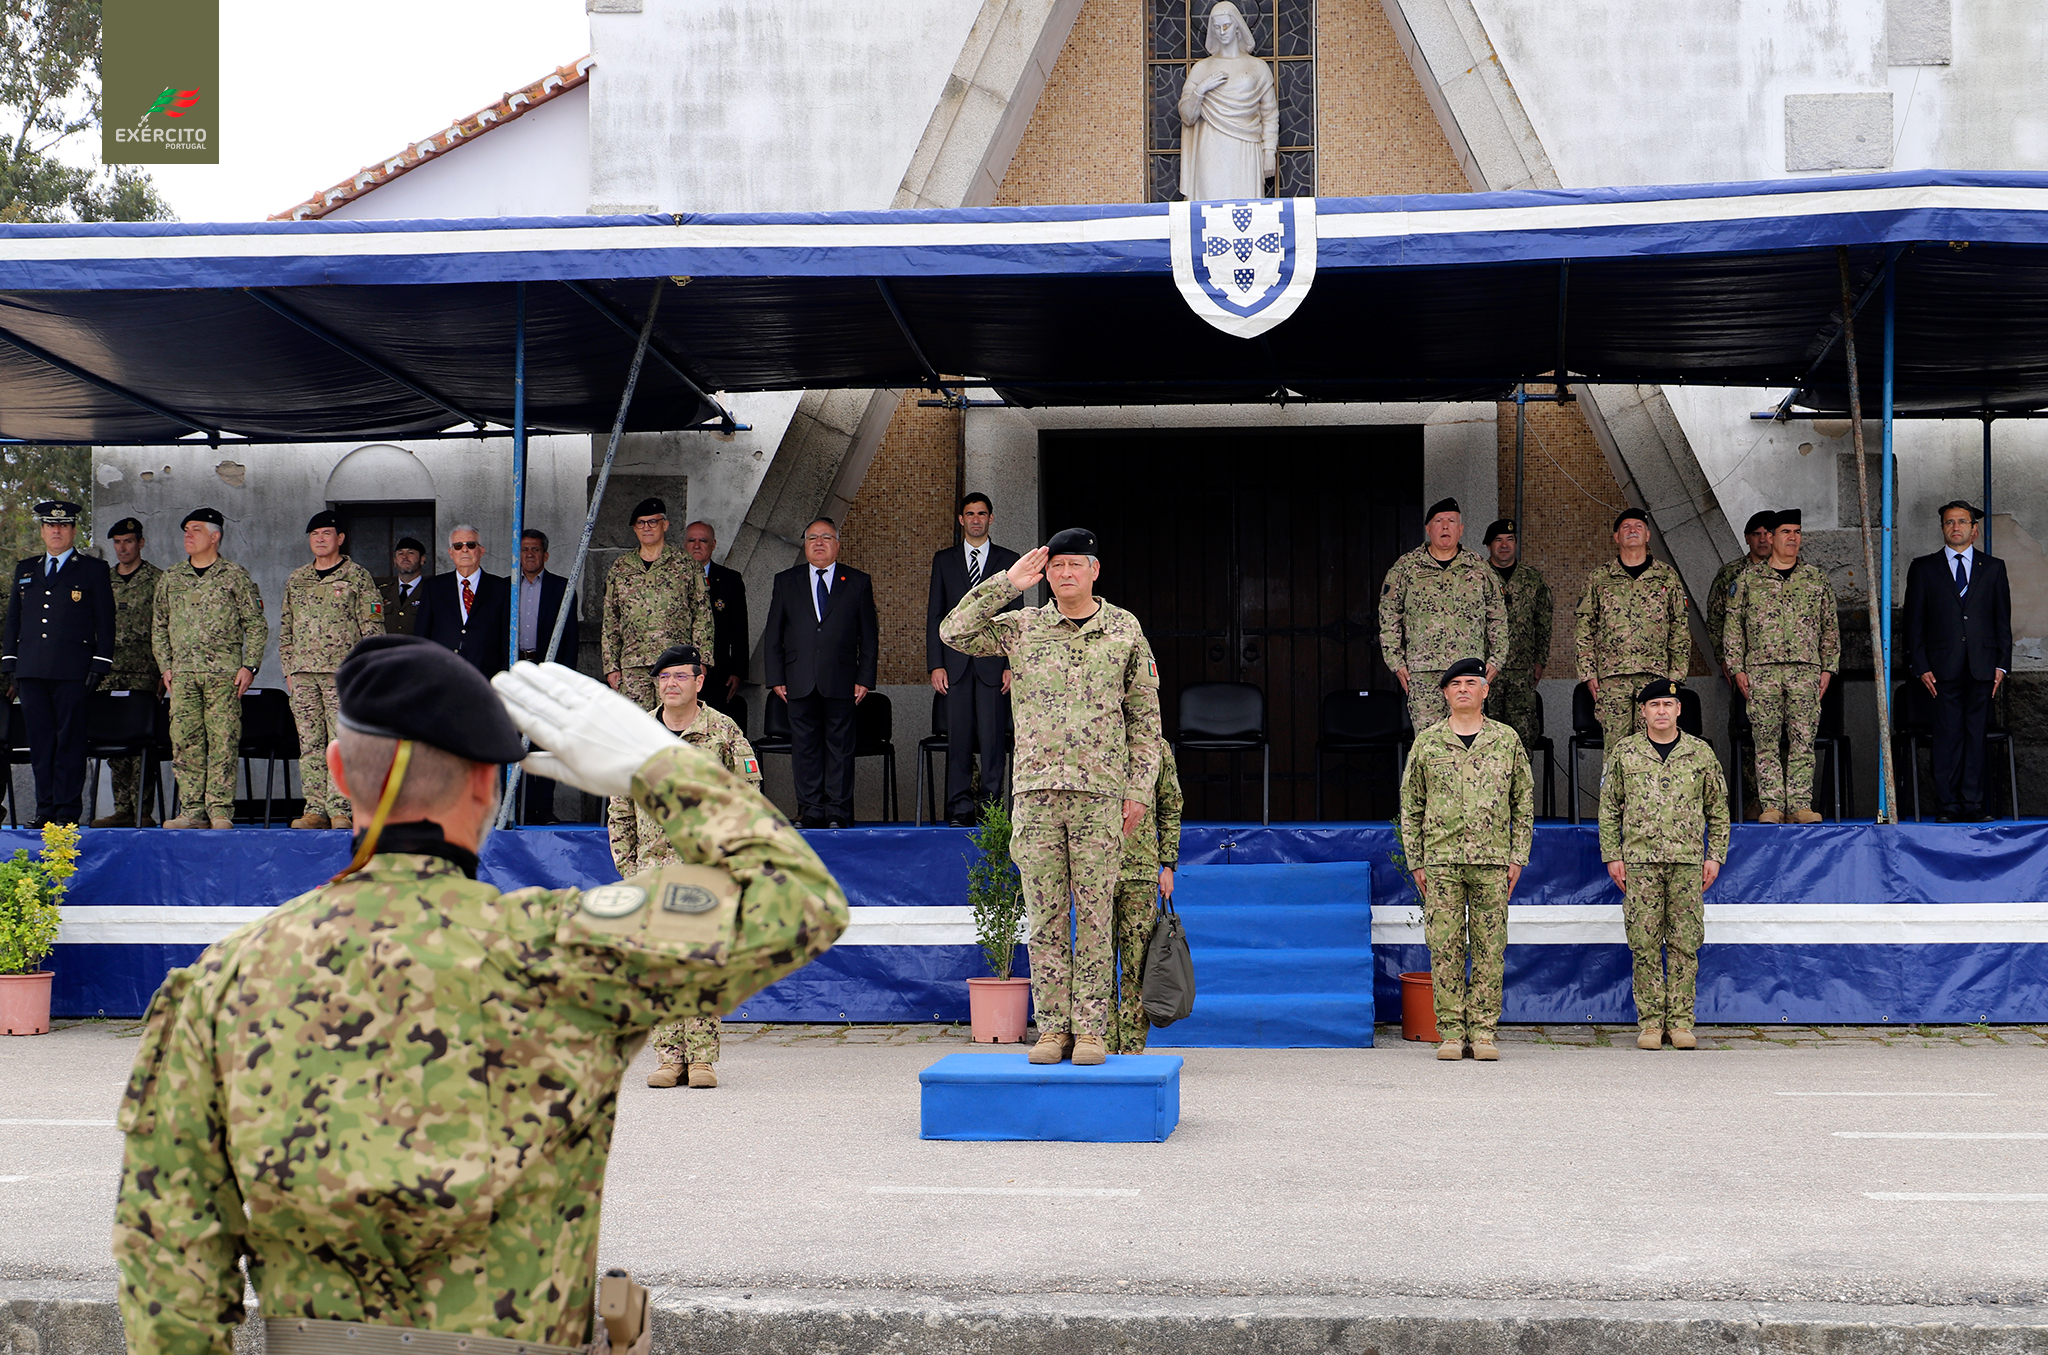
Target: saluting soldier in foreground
1784 644
395 1095
1085 698
654 597
328 606
1468 817
1511 697
1631 628
1151 851
134 584
1439 603
688 1047
1664 835
59 644
208 633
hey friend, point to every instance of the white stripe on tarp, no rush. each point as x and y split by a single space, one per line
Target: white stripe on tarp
1762 924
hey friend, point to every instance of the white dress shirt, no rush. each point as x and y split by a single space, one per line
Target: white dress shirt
476 584
978 556
1955 555
813 575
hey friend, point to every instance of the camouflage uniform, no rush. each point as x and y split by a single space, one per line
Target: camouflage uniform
320 622
1784 633
1467 814
396 1094
202 629
1085 699
135 667
1432 615
1511 699
1655 812
1629 632
1717 635
638 844
647 608
1152 846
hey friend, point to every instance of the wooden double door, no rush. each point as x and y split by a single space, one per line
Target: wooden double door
1251 556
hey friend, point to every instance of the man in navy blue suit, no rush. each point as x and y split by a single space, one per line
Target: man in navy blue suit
1959 646
467 610
819 652
59 644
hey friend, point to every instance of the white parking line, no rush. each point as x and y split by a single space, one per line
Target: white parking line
10 1180
96 1124
1884 1093
1084 1192
1866 1134
1953 1196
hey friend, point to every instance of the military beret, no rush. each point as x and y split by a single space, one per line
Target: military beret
1976 513
1501 527
411 543
1788 517
1625 514
408 687
1462 668
1659 690
58 512
1766 522
1072 541
674 655
211 515
648 508
125 527
326 517
1442 506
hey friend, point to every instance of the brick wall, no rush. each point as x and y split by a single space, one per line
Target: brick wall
1086 141
903 513
1375 132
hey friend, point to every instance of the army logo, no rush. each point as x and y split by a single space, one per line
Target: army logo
677 898
609 901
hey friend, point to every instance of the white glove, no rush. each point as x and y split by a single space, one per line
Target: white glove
583 732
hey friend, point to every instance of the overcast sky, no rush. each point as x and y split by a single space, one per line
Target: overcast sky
310 94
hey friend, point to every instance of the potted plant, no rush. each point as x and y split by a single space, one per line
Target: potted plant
30 888
1000 1006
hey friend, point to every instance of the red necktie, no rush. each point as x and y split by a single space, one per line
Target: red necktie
468 599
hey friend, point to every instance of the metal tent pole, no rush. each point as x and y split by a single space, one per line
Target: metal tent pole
1521 424
518 497
1888 467
1870 573
1987 484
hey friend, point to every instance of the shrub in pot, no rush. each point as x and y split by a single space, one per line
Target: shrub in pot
30 890
998 1006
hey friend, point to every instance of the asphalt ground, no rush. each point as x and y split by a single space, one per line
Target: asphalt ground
1842 1166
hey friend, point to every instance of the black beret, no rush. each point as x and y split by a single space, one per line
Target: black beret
674 655
1625 514
409 543
125 527
1462 668
1073 541
1442 506
57 512
648 508
1767 522
326 517
1501 527
1788 517
211 515
1659 690
408 687
1976 513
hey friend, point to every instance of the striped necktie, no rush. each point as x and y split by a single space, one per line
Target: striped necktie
973 568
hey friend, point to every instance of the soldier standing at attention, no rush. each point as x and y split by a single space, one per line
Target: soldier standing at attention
1631 627
134 584
59 644
207 632
1084 694
1661 797
653 598
328 606
1468 815
1784 644
395 1095
1513 693
687 1046
401 593
1758 537
1151 851
1439 602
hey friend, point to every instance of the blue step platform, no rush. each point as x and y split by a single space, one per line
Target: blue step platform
1130 1098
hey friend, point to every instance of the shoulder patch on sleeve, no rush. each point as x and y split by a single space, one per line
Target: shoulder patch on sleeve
679 909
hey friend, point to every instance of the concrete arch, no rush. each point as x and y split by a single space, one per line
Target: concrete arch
380 473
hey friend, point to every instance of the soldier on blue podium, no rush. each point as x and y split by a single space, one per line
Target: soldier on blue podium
59 644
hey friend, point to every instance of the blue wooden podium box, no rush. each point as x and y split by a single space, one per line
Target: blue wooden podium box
1130 1098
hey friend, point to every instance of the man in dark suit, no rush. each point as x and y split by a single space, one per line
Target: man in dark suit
540 603
977 691
728 620
402 591
1959 643
467 610
819 651
59 644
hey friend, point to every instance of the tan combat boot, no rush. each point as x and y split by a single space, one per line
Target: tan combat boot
1052 1046
666 1076
1805 816
1771 816
222 823
187 820
1484 1049
1450 1051
1683 1039
310 820
1651 1038
344 823
114 821
703 1075
1089 1051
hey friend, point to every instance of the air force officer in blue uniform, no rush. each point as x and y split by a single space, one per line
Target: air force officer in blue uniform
59 644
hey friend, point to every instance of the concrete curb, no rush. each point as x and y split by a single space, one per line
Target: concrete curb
62 1318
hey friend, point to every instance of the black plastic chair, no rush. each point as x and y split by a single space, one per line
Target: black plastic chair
1586 737
1547 746
1227 717
927 796
874 729
775 737
1362 722
1913 725
1829 742
269 735
127 724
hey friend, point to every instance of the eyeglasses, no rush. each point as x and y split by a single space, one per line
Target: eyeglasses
648 522
465 545
683 676
821 538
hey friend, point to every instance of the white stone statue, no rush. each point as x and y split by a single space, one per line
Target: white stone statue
1229 114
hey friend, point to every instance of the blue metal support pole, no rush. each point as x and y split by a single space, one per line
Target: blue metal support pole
1987 484
518 494
1887 475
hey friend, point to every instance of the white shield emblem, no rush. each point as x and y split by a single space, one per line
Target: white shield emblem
1244 266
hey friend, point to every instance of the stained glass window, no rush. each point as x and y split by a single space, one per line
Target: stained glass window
1283 34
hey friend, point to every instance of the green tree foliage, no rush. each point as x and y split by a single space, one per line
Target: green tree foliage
29 475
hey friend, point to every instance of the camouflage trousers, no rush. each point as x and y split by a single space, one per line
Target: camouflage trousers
1666 921
636 684
1616 708
688 1039
1465 917
1068 846
1784 709
1512 701
318 718
206 731
1426 704
128 770
1137 910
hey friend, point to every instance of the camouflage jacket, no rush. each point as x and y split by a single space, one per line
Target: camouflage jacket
1661 809
1467 806
648 608
1531 614
134 606
1432 615
636 838
1774 620
1633 625
1155 842
1084 696
395 1095
208 624
322 619
1718 598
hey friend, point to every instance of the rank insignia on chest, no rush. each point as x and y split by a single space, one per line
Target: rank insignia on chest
77 595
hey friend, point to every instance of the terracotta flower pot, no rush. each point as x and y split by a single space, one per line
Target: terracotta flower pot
25 1003
1418 1008
999 1009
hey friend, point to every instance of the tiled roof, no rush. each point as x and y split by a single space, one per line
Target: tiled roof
520 101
